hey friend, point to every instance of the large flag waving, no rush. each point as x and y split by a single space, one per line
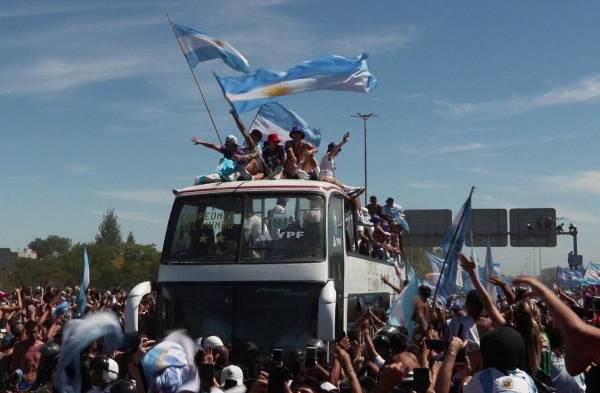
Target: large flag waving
453 242
569 278
592 274
85 283
402 310
275 118
199 47
325 73
489 271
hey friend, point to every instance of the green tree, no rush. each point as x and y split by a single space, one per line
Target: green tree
51 246
109 230
130 238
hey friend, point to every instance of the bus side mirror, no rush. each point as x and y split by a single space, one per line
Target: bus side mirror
134 297
326 317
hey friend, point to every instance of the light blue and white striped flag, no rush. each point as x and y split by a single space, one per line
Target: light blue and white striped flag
454 240
592 274
199 47
76 336
402 310
85 283
489 270
569 278
325 73
275 118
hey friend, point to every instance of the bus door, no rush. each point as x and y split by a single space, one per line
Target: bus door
335 253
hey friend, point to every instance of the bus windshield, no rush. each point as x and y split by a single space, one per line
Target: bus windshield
246 228
268 315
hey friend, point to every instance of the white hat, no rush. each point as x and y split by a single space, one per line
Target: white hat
231 138
112 373
212 342
232 373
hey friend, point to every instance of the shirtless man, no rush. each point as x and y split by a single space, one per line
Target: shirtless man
300 156
26 356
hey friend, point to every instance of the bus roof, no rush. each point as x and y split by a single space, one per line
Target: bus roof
258 186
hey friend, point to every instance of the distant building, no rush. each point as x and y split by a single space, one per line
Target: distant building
27 253
8 259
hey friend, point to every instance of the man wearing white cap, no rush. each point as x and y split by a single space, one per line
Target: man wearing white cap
227 169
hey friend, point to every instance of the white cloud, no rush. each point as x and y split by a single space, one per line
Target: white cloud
578 216
145 196
461 148
78 168
586 181
51 75
584 90
133 216
426 185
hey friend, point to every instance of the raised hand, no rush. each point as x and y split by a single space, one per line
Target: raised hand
466 263
496 280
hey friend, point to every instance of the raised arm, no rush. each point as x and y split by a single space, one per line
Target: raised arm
467 264
242 128
443 381
583 340
336 149
210 145
506 289
387 282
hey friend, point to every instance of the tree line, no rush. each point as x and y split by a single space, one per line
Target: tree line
113 262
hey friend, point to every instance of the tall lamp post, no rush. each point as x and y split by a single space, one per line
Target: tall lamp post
365 117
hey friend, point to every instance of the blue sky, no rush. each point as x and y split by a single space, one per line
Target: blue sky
98 107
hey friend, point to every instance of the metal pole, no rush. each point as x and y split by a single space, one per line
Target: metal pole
365 117
365 131
196 80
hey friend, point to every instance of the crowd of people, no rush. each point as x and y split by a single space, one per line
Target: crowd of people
534 339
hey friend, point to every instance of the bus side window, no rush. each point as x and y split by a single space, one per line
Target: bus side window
349 227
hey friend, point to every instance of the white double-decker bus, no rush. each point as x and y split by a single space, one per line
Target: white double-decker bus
272 263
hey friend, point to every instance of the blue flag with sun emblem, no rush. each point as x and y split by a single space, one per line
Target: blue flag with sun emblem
325 73
199 47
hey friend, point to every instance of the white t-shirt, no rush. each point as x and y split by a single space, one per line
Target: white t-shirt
562 380
252 229
328 163
492 380
469 331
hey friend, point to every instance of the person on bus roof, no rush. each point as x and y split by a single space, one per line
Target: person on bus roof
300 156
228 165
374 207
274 157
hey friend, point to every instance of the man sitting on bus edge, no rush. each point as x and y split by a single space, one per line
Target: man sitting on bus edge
228 165
274 157
300 156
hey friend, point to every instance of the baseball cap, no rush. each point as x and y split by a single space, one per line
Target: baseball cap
230 374
330 146
231 139
211 342
274 137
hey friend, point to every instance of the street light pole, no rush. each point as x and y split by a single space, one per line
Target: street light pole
365 117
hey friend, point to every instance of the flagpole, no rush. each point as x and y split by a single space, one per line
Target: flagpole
446 257
196 80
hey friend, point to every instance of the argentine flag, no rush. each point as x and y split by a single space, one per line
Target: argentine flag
85 283
402 310
592 274
569 278
275 118
451 279
199 47
325 73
